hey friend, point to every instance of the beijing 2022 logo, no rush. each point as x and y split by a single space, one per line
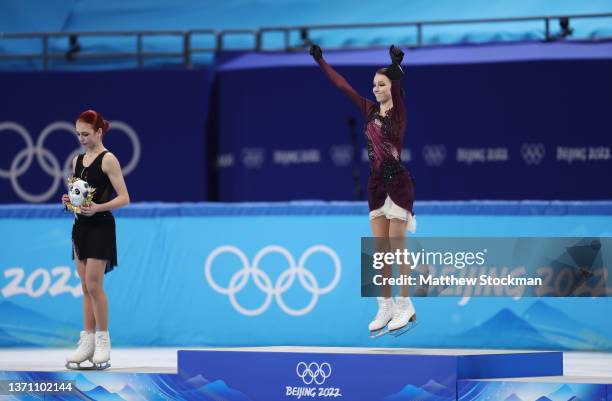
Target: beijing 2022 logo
263 282
22 161
313 374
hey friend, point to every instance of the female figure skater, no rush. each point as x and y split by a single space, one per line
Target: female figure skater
390 186
93 237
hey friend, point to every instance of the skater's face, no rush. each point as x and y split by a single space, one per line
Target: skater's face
381 88
87 135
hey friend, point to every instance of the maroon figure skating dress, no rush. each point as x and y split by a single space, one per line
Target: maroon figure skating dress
390 186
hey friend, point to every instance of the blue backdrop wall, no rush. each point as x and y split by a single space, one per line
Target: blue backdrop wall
495 122
524 121
158 121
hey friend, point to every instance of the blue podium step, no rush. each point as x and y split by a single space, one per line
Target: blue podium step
390 375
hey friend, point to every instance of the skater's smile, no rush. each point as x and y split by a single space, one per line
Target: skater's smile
381 87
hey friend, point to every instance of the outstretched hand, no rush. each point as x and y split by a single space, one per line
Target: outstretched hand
316 52
396 54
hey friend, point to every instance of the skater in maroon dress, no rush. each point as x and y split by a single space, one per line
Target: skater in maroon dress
390 186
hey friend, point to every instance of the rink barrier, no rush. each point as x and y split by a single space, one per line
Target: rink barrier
300 208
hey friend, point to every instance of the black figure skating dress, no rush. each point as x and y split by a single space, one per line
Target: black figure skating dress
94 236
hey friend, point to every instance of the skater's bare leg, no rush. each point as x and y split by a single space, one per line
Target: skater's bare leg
397 235
94 279
404 309
89 319
380 232
85 349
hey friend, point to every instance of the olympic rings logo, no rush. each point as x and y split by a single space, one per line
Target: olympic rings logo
49 162
313 372
253 157
434 155
533 153
285 280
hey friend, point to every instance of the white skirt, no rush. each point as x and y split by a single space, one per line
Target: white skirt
392 211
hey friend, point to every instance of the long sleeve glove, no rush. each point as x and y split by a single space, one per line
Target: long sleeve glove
396 54
316 52
394 71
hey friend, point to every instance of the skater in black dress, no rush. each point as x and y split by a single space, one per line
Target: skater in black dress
93 235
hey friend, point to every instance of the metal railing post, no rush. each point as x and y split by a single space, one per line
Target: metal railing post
139 49
187 49
219 40
286 31
45 54
258 39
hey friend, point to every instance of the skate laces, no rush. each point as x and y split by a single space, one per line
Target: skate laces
84 339
101 341
397 312
401 307
383 308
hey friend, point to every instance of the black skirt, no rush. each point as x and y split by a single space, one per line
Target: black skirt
94 237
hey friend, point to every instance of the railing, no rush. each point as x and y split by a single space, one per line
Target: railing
139 54
218 36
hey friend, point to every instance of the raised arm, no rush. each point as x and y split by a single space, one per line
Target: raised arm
395 74
364 105
399 107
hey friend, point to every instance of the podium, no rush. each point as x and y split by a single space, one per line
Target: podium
350 374
358 374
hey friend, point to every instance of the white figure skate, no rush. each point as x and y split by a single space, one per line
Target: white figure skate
101 356
84 352
404 317
378 326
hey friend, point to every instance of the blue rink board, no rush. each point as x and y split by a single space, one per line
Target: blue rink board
310 208
167 246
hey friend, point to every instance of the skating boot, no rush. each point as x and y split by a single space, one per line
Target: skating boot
101 356
404 317
84 352
383 316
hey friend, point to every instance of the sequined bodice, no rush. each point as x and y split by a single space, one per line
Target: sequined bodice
384 142
384 146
